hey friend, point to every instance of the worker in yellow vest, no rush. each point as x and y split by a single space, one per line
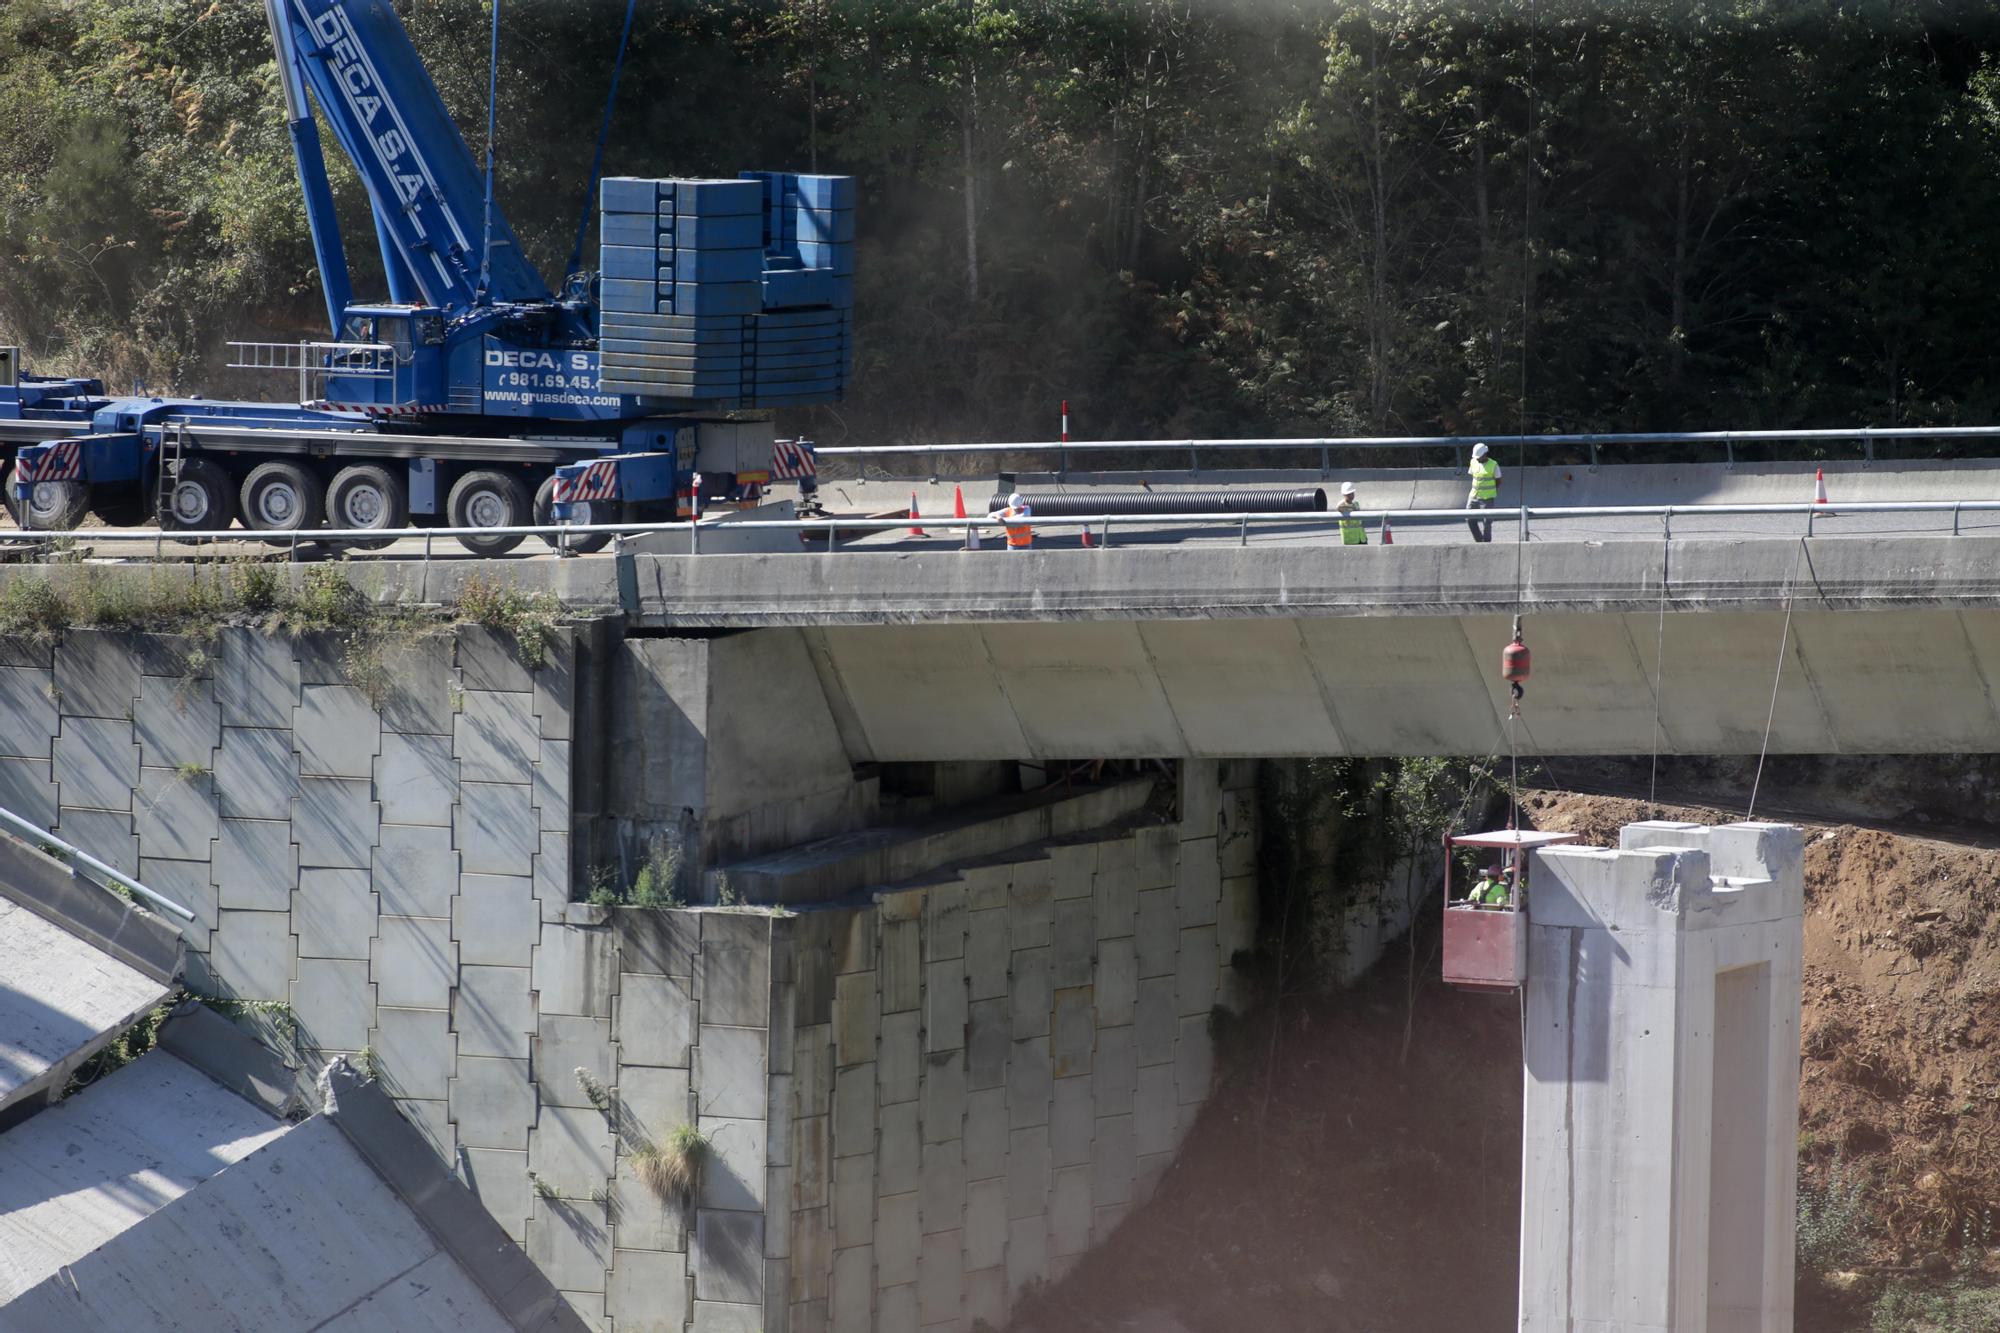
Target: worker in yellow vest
1491 890
1020 536
1485 474
1351 531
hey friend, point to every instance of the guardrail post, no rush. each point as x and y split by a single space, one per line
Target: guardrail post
1593 455
1667 523
1810 511
1062 464
1524 524
1325 462
1194 461
1867 446
1243 531
1729 454
1954 520
694 537
1105 540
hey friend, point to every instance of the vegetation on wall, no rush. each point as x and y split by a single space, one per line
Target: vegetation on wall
1185 216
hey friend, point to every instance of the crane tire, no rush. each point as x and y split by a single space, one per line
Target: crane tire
201 498
586 544
282 497
485 498
55 506
367 495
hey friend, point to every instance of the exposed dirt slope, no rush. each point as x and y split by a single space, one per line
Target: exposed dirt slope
1330 1185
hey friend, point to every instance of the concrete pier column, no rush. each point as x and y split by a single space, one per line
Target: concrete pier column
1661 1055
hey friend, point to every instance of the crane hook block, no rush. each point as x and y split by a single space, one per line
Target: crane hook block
1515 662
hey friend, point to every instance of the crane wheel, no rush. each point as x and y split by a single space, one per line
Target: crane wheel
200 498
583 511
53 506
483 498
282 497
368 496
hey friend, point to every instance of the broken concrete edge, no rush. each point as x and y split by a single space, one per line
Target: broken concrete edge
200 1037
109 921
408 1165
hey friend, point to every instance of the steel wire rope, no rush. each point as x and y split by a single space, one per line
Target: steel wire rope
603 135
1777 678
1521 413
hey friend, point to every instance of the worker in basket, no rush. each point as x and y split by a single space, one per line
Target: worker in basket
1351 531
1020 535
1491 889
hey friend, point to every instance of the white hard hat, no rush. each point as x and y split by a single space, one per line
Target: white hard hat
1014 499
1347 488
1479 451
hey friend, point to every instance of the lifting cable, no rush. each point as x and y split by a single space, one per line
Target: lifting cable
492 112
1777 677
1521 421
603 134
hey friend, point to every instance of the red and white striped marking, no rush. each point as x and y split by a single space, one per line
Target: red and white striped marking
598 481
793 460
59 460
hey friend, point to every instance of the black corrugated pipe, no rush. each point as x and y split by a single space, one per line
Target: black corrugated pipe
1080 504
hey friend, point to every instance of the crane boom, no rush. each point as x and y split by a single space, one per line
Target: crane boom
423 183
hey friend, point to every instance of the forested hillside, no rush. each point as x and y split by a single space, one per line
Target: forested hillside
1186 216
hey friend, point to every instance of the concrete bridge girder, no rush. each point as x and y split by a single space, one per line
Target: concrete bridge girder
1885 682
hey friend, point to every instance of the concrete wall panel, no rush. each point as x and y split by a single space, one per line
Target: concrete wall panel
256 773
28 716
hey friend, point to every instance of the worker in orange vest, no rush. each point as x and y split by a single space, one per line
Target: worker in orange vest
1020 536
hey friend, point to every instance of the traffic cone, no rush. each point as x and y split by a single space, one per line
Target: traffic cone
1819 486
1388 537
916 528
957 502
1086 539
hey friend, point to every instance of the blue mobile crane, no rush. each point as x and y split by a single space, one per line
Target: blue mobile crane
474 396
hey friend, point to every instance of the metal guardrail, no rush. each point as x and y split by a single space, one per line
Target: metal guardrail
1521 516
37 836
1325 445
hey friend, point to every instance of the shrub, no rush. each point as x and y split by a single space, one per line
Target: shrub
1833 1218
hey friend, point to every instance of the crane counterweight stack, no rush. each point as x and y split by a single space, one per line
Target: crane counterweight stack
462 394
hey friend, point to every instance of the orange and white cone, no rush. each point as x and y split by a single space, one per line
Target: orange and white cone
1388 536
916 529
1819 487
1086 539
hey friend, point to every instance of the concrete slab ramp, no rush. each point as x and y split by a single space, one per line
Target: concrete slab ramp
62 999
94 1165
300 1234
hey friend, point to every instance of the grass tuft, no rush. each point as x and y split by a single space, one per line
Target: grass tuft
672 1171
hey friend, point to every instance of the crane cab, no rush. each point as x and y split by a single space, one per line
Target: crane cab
1486 944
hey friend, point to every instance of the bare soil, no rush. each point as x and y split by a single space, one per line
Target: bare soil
1333 1183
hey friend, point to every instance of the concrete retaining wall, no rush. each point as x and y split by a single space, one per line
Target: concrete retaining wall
1027 1034
973 1080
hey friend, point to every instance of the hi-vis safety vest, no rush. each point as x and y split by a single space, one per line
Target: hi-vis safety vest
1351 531
1485 474
1018 534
